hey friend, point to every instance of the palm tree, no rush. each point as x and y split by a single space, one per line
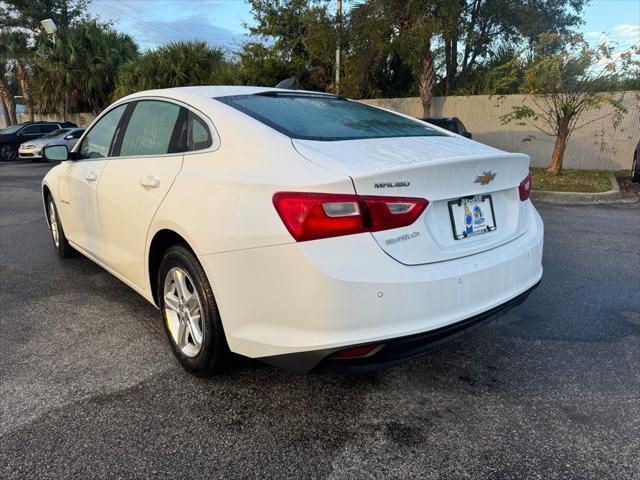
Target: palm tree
79 71
14 46
176 64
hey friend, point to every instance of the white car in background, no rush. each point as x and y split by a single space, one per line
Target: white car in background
299 228
32 149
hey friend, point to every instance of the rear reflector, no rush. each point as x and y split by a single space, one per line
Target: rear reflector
525 188
357 351
310 216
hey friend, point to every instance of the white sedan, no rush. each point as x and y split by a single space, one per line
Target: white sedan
300 228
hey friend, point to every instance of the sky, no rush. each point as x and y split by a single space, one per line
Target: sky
223 22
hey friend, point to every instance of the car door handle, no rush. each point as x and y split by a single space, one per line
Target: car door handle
91 177
150 182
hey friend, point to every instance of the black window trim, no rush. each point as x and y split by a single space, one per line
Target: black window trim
190 117
213 132
74 155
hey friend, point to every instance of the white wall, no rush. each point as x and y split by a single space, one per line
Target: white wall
599 145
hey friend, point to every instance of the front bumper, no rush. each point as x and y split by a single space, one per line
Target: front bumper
30 153
327 295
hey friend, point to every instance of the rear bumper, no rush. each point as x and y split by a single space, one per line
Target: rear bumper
391 351
314 298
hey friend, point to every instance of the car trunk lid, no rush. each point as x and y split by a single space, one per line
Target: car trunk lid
444 170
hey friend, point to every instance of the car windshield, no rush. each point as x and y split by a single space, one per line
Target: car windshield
11 129
57 133
325 117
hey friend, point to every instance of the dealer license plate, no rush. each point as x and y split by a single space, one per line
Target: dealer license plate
472 216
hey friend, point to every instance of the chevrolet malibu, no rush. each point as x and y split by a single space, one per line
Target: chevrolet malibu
299 228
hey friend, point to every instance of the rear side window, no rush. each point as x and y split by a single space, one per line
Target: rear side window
150 129
97 143
48 128
198 136
325 118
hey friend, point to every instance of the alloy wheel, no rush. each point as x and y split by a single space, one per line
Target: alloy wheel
183 311
53 224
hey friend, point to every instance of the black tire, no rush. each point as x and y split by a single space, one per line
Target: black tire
8 153
61 245
635 169
213 356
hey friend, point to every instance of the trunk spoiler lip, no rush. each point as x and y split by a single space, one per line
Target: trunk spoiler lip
498 154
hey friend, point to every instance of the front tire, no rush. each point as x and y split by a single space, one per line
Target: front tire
8 153
190 314
60 243
635 169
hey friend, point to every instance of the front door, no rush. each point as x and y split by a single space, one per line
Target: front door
135 181
79 182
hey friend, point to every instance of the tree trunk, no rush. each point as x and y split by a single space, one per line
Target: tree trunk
555 167
8 101
21 74
427 79
5 113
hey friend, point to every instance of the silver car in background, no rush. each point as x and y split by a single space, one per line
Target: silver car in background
32 149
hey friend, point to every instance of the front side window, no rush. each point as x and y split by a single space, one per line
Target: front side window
325 117
97 143
150 129
30 130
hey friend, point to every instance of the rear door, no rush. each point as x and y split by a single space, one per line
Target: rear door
148 156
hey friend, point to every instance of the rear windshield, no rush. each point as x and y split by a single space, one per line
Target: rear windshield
325 118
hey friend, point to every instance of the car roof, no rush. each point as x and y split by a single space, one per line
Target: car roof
213 91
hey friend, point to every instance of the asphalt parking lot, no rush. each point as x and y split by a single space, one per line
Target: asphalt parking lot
89 389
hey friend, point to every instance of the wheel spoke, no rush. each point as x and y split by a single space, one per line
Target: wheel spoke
181 285
183 334
196 333
172 302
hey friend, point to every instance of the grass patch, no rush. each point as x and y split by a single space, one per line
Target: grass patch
572 181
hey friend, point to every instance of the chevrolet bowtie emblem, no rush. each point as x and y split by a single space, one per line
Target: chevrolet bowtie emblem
485 177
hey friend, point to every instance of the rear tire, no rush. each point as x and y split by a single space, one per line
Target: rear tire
8 153
60 243
190 314
635 169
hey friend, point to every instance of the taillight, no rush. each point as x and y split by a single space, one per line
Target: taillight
525 188
310 216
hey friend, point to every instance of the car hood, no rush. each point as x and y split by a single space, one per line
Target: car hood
40 141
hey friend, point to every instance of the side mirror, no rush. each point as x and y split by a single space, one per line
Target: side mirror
57 153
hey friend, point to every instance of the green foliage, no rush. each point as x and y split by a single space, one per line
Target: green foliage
563 78
296 38
176 64
27 14
78 71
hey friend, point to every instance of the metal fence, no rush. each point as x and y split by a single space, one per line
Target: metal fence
598 146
